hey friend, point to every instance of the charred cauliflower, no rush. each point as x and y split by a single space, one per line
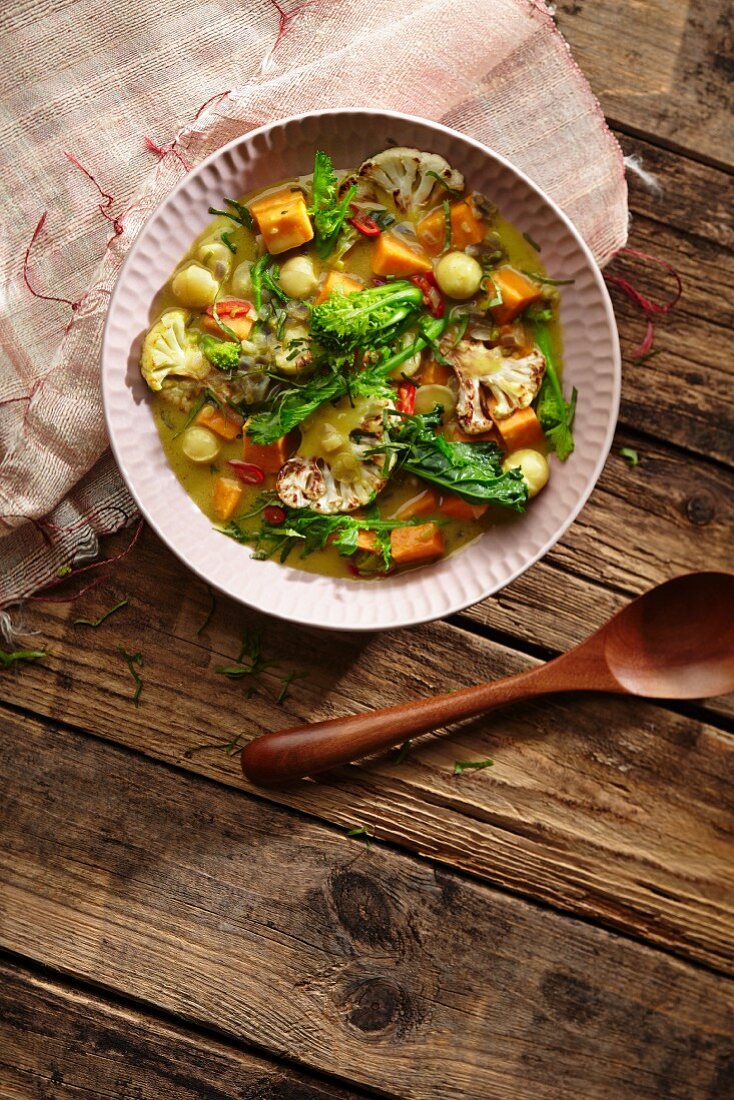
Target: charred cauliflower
411 176
487 378
333 470
168 349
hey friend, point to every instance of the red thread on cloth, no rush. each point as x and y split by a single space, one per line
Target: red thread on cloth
26 276
163 150
647 307
86 568
108 200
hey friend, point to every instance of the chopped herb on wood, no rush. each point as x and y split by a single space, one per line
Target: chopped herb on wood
251 663
630 455
210 612
359 832
18 655
403 752
229 747
64 571
471 765
102 618
132 659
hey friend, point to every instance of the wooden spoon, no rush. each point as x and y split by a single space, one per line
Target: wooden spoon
674 642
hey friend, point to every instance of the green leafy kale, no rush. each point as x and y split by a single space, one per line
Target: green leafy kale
554 412
368 319
222 354
471 470
292 405
327 210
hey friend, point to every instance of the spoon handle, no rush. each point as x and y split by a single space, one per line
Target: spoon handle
277 758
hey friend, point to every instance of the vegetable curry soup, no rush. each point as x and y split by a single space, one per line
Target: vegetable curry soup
358 372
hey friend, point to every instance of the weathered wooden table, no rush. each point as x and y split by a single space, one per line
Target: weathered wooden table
558 925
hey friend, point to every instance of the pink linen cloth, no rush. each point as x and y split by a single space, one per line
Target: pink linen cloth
83 83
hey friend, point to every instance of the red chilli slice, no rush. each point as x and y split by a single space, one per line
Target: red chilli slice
432 298
362 222
406 398
246 471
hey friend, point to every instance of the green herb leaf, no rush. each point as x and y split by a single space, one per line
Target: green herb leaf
554 412
471 765
328 211
230 747
8 659
238 213
131 659
447 225
531 242
403 752
226 239
648 355
361 833
102 618
546 281
631 455
451 190
64 571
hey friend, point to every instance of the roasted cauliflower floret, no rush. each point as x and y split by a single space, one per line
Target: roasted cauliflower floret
333 470
168 349
489 380
407 174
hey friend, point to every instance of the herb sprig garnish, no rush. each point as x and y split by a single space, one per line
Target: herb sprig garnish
238 213
471 765
132 659
546 281
264 275
451 190
630 455
251 663
328 211
102 618
7 660
533 243
447 226
226 239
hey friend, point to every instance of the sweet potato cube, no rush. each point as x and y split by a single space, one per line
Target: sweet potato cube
421 505
520 430
455 507
227 496
466 228
435 374
413 544
275 198
285 224
392 257
517 292
241 326
223 422
368 541
335 282
268 456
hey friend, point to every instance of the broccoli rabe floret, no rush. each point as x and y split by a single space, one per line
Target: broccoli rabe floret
366 319
223 354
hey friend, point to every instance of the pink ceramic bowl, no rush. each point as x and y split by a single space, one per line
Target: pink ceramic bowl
592 364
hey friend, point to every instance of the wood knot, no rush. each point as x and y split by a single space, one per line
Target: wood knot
363 909
378 1005
700 509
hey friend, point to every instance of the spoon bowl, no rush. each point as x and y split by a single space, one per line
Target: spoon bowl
674 642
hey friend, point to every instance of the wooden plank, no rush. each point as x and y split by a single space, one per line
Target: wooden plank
55 1042
611 808
659 67
365 964
683 394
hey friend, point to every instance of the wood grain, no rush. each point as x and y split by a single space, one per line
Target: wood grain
613 809
57 1042
659 67
361 963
